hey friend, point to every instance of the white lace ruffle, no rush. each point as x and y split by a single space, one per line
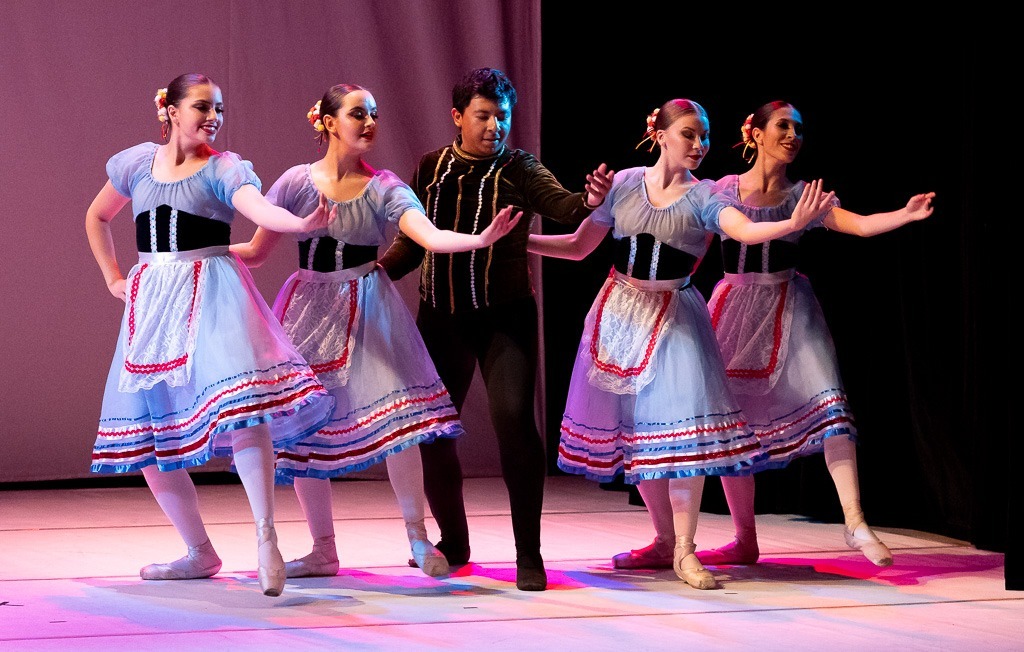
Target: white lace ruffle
322 320
164 308
624 336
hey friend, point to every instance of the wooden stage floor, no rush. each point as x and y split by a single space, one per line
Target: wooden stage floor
69 581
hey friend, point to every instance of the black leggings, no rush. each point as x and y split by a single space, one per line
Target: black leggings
503 340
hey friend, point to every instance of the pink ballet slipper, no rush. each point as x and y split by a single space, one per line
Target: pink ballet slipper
653 556
864 539
735 552
200 562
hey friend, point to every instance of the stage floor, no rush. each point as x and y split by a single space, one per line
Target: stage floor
69 581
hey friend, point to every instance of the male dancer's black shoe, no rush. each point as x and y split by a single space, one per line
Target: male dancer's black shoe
530 573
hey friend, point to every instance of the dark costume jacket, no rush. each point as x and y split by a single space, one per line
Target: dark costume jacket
462 193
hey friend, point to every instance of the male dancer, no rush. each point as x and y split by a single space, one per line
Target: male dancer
479 306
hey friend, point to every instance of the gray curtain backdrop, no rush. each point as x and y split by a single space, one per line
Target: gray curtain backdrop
77 80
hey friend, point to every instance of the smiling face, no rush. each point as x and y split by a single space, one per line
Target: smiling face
686 141
782 136
199 115
484 125
354 124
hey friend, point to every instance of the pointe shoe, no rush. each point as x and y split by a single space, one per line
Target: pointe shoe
200 562
429 559
652 556
457 555
322 562
424 555
737 551
270 571
869 544
689 569
530 573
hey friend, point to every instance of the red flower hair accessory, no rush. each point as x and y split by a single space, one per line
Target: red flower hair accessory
749 145
649 133
161 104
314 117
161 111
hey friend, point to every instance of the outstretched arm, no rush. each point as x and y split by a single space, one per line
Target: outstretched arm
249 202
844 221
546 196
574 246
813 204
255 252
423 232
104 207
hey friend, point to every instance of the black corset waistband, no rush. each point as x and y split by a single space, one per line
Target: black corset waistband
329 255
167 229
671 262
781 255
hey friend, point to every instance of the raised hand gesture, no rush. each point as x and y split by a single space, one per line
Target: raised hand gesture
599 182
920 206
321 217
503 222
814 202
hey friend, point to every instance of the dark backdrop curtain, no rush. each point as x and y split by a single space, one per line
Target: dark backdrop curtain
76 86
912 312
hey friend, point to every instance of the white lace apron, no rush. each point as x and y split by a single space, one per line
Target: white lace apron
752 315
322 320
164 302
626 330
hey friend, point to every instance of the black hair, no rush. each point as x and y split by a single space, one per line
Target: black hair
490 83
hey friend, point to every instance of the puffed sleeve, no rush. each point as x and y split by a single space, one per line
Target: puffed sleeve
603 214
396 197
708 204
230 172
123 167
282 193
405 254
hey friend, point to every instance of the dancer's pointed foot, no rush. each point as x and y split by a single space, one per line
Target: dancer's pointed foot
456 554
864 539
689 569
429 559
321 562
200 562
654 556
738 551
270 571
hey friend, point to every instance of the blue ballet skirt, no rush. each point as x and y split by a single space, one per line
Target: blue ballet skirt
679 419
199 356
781 363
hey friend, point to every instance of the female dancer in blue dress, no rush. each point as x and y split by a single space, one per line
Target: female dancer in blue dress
648 395
780 358
779 355
349 321
201 367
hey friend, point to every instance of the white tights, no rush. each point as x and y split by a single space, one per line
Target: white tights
176 493
671 502
405 471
